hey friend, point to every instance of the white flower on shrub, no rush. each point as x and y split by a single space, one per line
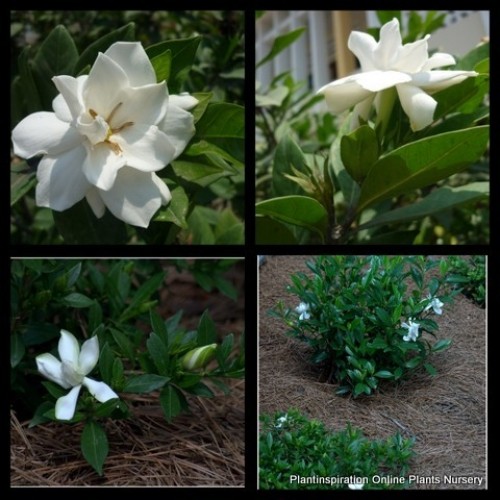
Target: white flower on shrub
70 372
303 309
387 64
412 328
435 304
109 134
281 421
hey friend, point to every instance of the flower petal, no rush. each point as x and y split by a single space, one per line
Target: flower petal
43 132
432 81
134 198
68 348
50 367
65 405
147 104
89 355
342 94
134 61
101 391
102 88
165 194
184 101
71 90
95 201
361 110
178 124
145 147
412 56
362 46
418 105
61 182
101 165
388 46
375 81
61 108
438 60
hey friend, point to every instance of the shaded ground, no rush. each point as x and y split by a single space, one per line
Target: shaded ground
203 448
445 413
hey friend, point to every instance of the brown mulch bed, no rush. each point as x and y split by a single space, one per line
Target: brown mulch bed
445 413
205 447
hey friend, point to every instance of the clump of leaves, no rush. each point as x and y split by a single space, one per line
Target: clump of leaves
292 446
362 321
468 276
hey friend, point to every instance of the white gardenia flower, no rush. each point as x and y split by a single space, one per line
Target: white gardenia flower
71 372
436 305
388 63
110 131
303 309
412 330
281 421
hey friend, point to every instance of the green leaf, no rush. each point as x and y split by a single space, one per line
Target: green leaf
124 344
384 374
57 56
201 172
360 388
20 184
143 294
207 333
32 97
430 369
439 200
39 333
117 380
17 349
203 99
413 362
224 350
476 55
281 43
78 300
145 383
441 345
200 227
204 147
274 97
111 408
94 444
421 163
79 226
383 316
287 156
222 120
106 359
124 34
161 64
170 402
159 326
200 389
39 415
359 151
55 390
271 232
483 66
159 353
297 210
183 52
176 210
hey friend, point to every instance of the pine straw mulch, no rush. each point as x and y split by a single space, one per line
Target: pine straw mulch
205 447
445 413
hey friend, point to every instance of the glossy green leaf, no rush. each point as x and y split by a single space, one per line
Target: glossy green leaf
170 402
78 300
281 43
106 359
413 363
114 408
143 294
21 183
201 172
142 384
296 210
125 345
222 120
94 444
288 156
204 147
201 389
359 150
183 52
87 57
483 66
271 232
477 54
159 326
200 227
159 354
161 64
79 226
441 345
39 333
207 333
176 210
203 100
17 349
384 374
56 56
224 350
439 200
274 97
422 163
27 83
430 369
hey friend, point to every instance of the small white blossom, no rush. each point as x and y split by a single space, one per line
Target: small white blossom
435 304
71 372
281 421
412 330
303 309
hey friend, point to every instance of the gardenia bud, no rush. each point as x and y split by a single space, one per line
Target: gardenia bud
199 357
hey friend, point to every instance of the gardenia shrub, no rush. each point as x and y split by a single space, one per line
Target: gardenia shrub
367 318
298 453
